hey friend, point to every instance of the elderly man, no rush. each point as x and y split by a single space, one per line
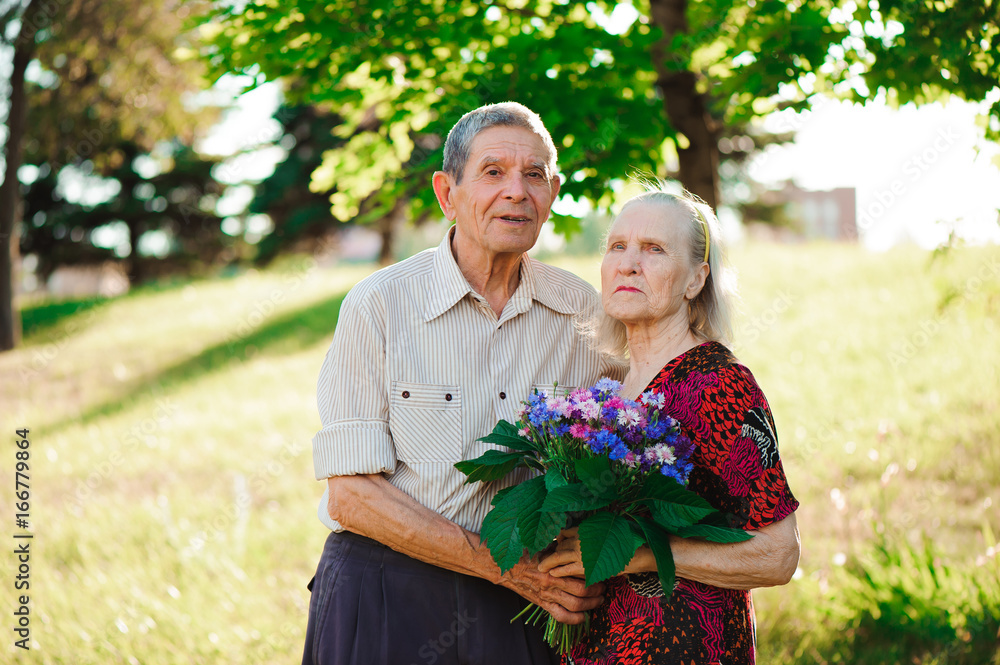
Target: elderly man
427 355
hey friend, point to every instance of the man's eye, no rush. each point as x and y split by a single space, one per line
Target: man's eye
493 172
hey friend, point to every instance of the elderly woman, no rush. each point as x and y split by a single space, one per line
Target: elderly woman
667 311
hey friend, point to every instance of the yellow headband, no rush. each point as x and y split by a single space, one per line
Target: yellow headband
705 227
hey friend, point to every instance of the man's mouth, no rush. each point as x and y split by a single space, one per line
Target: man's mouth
627 288
515 218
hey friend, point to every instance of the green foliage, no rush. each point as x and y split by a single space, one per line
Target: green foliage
401 74
114 72
178 201
902 603
500 530
299 213
659 545
41 318
615 508
606 545
672 505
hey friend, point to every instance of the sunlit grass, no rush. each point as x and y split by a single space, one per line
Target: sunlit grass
173 498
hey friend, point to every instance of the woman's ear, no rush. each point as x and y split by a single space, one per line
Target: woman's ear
697 282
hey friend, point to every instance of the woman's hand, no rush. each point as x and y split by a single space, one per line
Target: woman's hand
565 560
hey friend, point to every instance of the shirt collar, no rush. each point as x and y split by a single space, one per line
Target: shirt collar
451 286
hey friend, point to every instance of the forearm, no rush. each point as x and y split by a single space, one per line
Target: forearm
370 506
767 559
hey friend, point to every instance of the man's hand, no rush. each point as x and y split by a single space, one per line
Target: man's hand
372 507
565 598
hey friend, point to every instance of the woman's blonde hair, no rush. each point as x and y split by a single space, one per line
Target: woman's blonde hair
711 310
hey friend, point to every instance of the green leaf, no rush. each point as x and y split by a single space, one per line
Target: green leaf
659 542
715 534
554 480
505 434
530 497
549 526
606 546
499 530
491 465
671 504
596 474
573 497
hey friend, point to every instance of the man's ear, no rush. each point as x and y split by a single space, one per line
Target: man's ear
443 187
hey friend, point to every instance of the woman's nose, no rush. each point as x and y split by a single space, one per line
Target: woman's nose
630 262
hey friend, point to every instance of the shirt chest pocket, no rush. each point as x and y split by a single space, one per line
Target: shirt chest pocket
425 421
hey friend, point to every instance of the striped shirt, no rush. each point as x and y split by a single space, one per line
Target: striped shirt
420 367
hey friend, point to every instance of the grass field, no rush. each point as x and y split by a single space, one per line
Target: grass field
173 501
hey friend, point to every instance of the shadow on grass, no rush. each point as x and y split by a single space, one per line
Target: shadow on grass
41 318
289 333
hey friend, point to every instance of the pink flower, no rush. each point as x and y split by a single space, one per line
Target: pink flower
590 410
579 430
561 406
524 431
581 395
615 402
630 460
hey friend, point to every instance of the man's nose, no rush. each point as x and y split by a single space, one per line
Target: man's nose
515 190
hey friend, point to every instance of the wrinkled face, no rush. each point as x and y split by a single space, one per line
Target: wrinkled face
506 192
646 272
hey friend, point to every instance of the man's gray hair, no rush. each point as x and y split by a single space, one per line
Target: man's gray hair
506 114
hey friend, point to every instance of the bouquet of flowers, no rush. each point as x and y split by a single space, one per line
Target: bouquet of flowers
618 469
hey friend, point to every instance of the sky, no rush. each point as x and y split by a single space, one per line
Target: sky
919 173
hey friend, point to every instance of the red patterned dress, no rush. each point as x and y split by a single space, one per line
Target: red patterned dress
737 470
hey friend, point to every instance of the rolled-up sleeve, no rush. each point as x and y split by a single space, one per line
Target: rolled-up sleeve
352 396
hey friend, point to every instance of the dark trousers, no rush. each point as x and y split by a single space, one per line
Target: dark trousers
374 606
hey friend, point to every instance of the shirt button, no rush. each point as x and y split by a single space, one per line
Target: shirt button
503 395
448 397
406 394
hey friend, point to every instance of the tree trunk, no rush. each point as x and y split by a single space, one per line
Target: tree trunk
10 192
685 106
387 229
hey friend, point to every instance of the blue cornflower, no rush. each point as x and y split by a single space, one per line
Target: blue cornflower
606 385
540 415
603 439
656 431
560 430
618 451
